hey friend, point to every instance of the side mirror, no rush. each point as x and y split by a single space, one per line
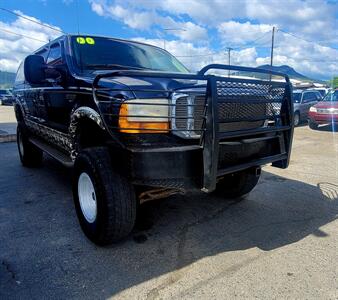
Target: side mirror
34 69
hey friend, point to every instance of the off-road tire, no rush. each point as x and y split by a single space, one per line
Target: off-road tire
115 198
313 125
296 119
236 185
30 155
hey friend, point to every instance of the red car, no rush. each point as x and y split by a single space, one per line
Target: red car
325 111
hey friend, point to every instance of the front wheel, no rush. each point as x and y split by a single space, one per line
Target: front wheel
313 125
105 201
296 119
238 184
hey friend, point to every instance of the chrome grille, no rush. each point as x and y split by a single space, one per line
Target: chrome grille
236 115
241 106
181 111
188 114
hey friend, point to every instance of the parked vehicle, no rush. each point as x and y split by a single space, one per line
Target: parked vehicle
6 97
302 101
135 124
325 112
323 91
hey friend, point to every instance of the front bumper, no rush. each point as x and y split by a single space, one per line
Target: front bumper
183 167
242 123
323 118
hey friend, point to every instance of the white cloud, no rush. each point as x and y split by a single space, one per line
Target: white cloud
148 19
311 60
311 18
233 32
13 48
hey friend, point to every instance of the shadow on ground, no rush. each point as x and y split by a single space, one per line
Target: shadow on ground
44 254
329 128
8 127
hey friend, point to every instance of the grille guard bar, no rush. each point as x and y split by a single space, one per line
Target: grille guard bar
211 135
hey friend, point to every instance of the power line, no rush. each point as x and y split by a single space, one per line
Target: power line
26 18
255 40
22 35
197 55
301 38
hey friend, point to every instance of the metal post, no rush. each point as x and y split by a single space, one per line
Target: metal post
272 44
229 50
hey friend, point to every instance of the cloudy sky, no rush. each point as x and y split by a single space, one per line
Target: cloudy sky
198 32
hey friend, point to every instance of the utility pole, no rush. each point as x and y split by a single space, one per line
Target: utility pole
229 51
272 44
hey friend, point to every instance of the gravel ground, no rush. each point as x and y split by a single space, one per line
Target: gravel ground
280 242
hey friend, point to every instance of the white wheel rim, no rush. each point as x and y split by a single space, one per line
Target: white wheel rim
21 149
87 197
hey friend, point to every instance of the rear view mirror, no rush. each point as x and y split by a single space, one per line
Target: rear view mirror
34 68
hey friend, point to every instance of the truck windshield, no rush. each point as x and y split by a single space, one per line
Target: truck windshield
331 96
104 53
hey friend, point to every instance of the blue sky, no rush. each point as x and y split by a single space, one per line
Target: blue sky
202 29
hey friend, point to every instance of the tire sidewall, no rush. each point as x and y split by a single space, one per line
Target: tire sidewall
83 164
313 125
296 119
235 186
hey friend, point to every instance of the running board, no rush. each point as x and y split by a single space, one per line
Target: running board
56 154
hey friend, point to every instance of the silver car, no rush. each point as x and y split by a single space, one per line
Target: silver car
302 101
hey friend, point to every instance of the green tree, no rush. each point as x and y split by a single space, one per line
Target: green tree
335 82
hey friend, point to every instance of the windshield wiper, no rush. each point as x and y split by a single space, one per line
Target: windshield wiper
110 66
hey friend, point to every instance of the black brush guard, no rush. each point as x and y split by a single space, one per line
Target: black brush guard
228 100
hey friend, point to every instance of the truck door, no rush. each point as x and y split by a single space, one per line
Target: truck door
58 102
32 96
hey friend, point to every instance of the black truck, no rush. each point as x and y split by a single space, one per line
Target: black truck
135 124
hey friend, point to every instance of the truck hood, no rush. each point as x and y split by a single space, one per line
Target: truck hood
147 87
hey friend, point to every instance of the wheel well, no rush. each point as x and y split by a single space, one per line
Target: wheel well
18 113
89 134
297 112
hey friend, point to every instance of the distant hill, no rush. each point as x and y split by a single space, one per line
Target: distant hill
291 72
286 70
6 79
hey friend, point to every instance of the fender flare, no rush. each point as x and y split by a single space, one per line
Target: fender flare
83 112
18 109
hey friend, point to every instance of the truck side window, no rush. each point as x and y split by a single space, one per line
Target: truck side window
308 97
42 53
54 56
20 75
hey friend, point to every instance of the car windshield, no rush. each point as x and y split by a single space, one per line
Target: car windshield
331 96
104 53
297 97
4 92
322 92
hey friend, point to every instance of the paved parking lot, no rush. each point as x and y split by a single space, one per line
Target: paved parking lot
280 242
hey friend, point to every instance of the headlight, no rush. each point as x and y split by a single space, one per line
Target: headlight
144 116
313 109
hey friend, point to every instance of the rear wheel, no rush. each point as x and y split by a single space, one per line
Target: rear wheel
238 184
30 155
313 125
105 201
